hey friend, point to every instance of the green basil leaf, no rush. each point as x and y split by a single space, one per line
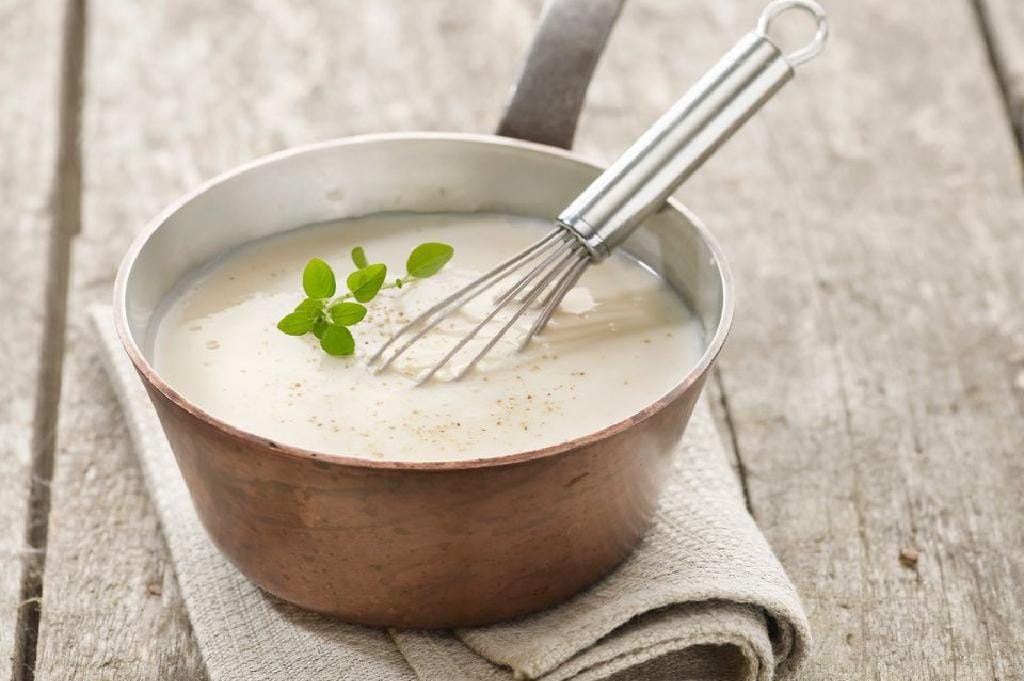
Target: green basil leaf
318 279
359 257
427 259
295 324
337 340
365 283
347 314
319 326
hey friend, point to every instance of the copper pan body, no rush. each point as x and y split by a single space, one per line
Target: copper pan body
415 544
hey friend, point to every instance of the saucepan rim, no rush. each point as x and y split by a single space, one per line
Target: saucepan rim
150 374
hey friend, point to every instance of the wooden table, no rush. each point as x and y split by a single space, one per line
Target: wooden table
873 387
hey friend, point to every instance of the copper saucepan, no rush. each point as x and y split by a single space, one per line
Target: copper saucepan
426 544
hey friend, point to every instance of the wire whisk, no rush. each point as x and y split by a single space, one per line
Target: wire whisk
552 267
615 204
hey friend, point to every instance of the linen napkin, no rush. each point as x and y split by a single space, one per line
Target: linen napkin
702 597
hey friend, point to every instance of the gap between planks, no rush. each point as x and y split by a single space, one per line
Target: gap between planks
65 219
718 399
734 442
1013 106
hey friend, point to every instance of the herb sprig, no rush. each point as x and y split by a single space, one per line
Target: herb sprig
329 316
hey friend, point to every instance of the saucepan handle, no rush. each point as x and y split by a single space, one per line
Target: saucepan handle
548 95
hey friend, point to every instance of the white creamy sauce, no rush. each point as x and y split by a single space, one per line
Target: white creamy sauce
619 341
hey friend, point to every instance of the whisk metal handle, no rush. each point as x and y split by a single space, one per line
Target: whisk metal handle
643 178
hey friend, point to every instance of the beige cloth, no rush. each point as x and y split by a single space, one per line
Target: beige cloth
703 597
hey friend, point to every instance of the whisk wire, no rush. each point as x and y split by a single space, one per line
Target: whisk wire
508 297
567 239
528 300
430 318
553 298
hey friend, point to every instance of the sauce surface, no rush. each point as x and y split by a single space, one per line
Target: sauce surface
619 341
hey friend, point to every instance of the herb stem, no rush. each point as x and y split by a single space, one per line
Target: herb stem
394 284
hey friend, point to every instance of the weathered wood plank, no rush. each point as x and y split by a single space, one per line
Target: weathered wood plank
874 220
113 577
193 89
29 51
1003 24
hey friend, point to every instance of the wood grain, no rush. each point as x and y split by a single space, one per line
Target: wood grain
1003 24
29 40
873 218
191 90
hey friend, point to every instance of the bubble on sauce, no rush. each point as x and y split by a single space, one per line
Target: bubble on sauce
578 301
